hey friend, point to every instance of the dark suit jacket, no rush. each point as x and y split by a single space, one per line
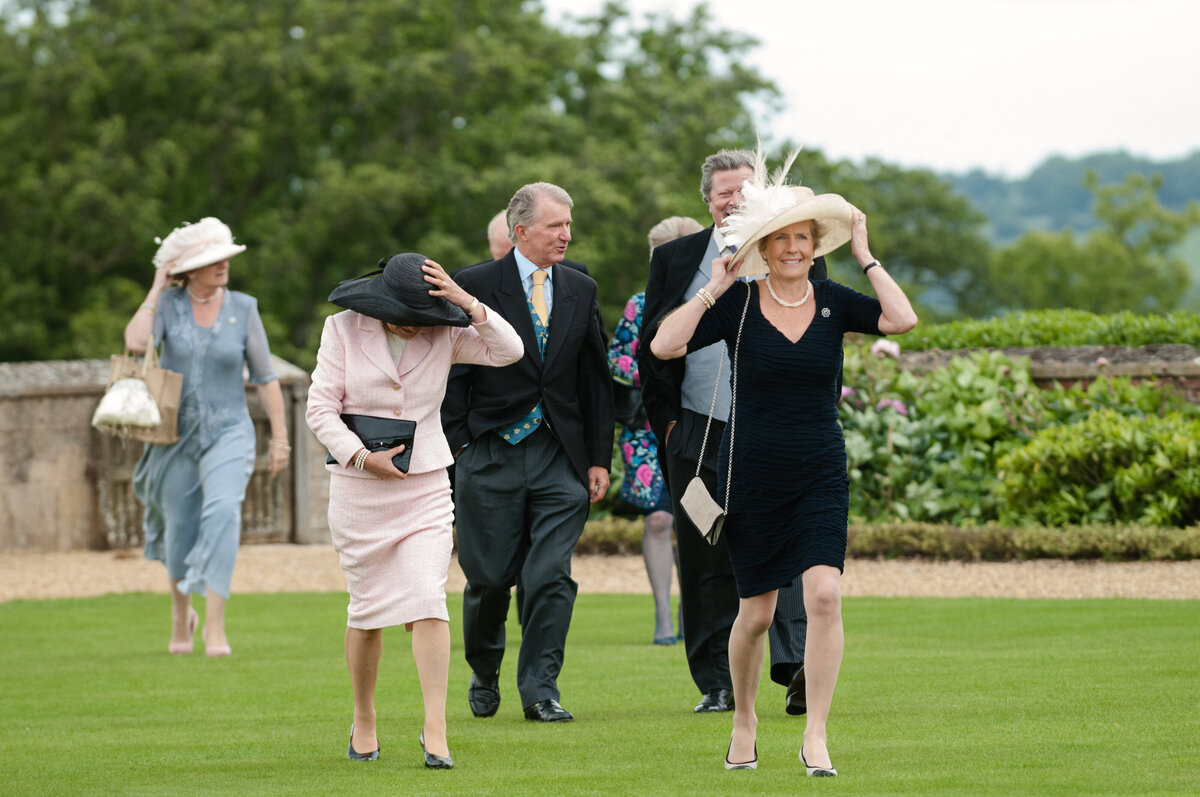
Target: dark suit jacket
572 382
672 268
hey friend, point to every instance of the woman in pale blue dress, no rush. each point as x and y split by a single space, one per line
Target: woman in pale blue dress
193 489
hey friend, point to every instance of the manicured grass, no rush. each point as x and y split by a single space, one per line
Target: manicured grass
936 696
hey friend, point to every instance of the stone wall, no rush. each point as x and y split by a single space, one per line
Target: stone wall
66 486
1070 365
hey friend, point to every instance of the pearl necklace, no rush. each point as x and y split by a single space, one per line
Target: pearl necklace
198 300
775 295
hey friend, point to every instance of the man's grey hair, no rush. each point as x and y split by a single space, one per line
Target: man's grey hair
522 208
725 160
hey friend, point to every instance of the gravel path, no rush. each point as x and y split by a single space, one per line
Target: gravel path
314 568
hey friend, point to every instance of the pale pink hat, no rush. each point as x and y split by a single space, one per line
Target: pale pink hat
193 246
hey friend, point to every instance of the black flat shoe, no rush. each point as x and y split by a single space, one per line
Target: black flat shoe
484 694
434 761
715 700
795 703
816 772
751 764
547 711
354 755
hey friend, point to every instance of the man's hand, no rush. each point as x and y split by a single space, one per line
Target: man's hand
597 483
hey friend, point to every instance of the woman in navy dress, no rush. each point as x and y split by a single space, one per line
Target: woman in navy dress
788 496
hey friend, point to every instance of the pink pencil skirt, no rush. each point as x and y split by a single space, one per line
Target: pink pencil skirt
393 538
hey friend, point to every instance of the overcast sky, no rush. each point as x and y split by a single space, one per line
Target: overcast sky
958 84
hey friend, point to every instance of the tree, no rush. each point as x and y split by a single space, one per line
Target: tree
1129 263
329 136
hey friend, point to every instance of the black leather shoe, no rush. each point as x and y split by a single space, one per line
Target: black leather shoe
795 703
354 755
434 761
547 711
484 694
715 700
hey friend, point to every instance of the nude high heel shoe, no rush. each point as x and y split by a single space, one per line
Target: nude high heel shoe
816 772
183 648
215 651
751 764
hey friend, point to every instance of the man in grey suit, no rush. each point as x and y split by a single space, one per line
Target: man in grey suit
677 395
534 443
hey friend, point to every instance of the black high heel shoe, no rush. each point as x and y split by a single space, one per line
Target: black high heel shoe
354 755
816 772
751 764
434 761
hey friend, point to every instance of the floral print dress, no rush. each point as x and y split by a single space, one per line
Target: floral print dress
643 483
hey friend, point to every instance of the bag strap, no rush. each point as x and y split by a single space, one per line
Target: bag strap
151 355
733 402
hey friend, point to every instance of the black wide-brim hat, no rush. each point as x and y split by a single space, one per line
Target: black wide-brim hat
398 294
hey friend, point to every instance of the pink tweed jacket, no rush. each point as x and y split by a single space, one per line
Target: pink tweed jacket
356 374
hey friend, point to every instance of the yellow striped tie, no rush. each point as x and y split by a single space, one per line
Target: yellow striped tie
539 296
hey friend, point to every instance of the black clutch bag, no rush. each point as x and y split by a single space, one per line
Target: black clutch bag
381 434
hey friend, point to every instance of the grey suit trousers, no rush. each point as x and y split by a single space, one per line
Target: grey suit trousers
520 510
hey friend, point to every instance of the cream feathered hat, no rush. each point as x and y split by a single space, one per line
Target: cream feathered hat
769 206
193 246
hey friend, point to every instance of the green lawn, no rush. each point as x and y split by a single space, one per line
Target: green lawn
937 696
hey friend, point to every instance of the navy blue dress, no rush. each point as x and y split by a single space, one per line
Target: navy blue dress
789 499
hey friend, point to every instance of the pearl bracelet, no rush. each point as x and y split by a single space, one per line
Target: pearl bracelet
279 444
707 298
361 459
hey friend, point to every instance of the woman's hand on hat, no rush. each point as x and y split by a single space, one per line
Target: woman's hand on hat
162 276
380 463
858 236
444 286
722 276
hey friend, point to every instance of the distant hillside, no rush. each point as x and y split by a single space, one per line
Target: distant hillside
1053 197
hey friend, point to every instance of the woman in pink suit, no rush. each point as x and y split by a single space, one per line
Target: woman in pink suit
387 356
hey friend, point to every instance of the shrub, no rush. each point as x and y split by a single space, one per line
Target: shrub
1058 328
1108 468
926 448
946 541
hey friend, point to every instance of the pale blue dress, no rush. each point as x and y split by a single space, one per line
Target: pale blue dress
193 489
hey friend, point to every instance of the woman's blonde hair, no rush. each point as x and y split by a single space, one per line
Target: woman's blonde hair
671 228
